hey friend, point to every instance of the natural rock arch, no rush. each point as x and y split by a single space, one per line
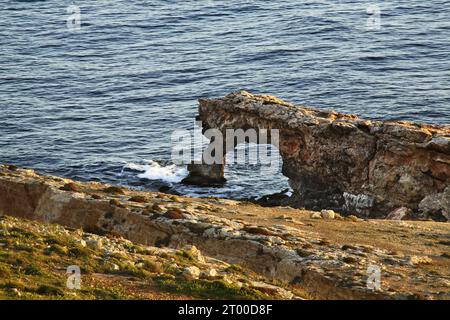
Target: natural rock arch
339 161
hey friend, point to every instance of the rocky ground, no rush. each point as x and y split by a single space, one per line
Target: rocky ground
34 258
283 252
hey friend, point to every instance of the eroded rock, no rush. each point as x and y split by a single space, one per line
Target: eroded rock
328 214
299 255
338 161
191 273
436 205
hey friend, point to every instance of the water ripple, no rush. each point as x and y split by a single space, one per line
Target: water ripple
83 104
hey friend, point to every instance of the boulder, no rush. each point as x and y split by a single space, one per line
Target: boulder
174 214
399 214
209 274
191 273
94 244
328 214
194 252
436 205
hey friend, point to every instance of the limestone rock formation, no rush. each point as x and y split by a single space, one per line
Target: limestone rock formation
323 258
339 161
437 205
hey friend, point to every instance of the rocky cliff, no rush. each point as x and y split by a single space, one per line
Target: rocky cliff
341 162
316 255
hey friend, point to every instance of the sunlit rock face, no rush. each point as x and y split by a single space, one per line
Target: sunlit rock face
341 162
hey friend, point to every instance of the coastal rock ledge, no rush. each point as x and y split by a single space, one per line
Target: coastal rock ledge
339 161
315 255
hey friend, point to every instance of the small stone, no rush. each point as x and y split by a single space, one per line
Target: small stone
367 248
156 207
71 187
284 217
94 244
140 199
354 218
324 242
79 232
307 246
328 214
416 260
173 266
271 290
350 260
316 215
16 292
399 213
175 198
194 252
259 230
303 253
191 273
174 214
348 247
299 223
96 196
81 242
114 189
209 274
226 279
112 266
337 216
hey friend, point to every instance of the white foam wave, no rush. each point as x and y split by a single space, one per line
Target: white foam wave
152 170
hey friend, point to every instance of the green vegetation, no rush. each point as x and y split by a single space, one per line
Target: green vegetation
205 289
33 266
185 256
34 258
235 268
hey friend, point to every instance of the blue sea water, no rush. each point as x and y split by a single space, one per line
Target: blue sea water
100 103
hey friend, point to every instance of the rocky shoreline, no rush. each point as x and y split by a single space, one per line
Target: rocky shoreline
321 254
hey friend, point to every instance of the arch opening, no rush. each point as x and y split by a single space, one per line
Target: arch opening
257 170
